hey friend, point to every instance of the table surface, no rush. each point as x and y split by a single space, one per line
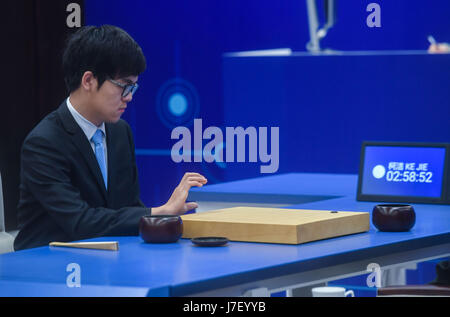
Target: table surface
37 289
181 268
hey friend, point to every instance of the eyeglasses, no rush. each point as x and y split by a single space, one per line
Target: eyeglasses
127 88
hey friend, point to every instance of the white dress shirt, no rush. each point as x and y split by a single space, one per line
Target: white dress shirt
89 129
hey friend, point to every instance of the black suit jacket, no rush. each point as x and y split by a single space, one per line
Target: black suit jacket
62 193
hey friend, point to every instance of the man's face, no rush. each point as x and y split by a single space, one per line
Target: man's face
107 103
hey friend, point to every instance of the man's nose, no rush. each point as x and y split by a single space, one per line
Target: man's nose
127 98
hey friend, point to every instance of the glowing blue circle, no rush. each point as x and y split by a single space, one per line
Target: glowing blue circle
178 104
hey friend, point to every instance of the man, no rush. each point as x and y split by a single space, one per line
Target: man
78 170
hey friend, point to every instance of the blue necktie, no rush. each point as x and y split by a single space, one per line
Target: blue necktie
100 154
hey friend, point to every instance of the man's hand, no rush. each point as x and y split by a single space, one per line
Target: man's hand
437 48
176 205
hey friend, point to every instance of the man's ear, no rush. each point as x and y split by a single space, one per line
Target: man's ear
89 82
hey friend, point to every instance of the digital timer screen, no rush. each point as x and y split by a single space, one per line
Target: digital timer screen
403 171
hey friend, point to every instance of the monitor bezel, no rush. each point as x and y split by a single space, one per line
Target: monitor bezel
404 199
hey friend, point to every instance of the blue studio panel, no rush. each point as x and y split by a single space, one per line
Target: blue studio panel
184 42
326 106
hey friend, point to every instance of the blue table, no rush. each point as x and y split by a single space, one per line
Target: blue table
36 289
182 269
292 188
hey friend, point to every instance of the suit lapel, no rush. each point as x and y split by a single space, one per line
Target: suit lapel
81 142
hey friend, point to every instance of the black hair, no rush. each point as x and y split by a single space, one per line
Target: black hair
107 51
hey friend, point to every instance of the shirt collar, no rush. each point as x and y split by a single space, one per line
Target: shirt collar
88 127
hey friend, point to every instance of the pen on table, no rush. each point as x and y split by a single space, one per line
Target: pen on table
103 245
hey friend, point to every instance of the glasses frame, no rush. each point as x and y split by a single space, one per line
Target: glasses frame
127 88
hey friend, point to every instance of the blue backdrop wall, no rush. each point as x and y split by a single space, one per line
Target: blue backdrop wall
184 42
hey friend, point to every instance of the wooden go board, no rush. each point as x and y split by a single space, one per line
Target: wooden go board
274 225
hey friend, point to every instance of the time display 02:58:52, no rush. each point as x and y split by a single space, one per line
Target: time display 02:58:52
409 176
